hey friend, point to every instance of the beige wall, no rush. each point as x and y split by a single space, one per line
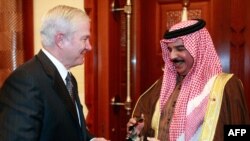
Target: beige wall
42 6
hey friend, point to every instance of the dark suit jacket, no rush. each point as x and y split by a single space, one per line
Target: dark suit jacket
35 105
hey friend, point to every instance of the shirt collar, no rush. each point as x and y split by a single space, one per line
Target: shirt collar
60 67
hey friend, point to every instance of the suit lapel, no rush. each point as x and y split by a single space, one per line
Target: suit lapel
59 85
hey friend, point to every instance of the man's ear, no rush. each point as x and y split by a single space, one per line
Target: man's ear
59 39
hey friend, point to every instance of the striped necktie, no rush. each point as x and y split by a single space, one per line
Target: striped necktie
70 86
72 92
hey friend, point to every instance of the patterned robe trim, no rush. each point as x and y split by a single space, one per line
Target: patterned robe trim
214 106
156 119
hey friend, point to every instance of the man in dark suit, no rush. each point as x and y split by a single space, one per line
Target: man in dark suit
37 101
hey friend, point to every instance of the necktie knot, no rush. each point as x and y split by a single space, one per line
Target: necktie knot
70 86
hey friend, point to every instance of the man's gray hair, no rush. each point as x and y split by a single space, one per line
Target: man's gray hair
63 19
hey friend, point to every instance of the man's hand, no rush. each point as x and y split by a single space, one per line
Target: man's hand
134 126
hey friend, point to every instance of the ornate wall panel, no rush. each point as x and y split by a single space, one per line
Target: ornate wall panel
170 14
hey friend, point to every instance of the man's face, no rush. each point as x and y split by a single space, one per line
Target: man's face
77 45
181 58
